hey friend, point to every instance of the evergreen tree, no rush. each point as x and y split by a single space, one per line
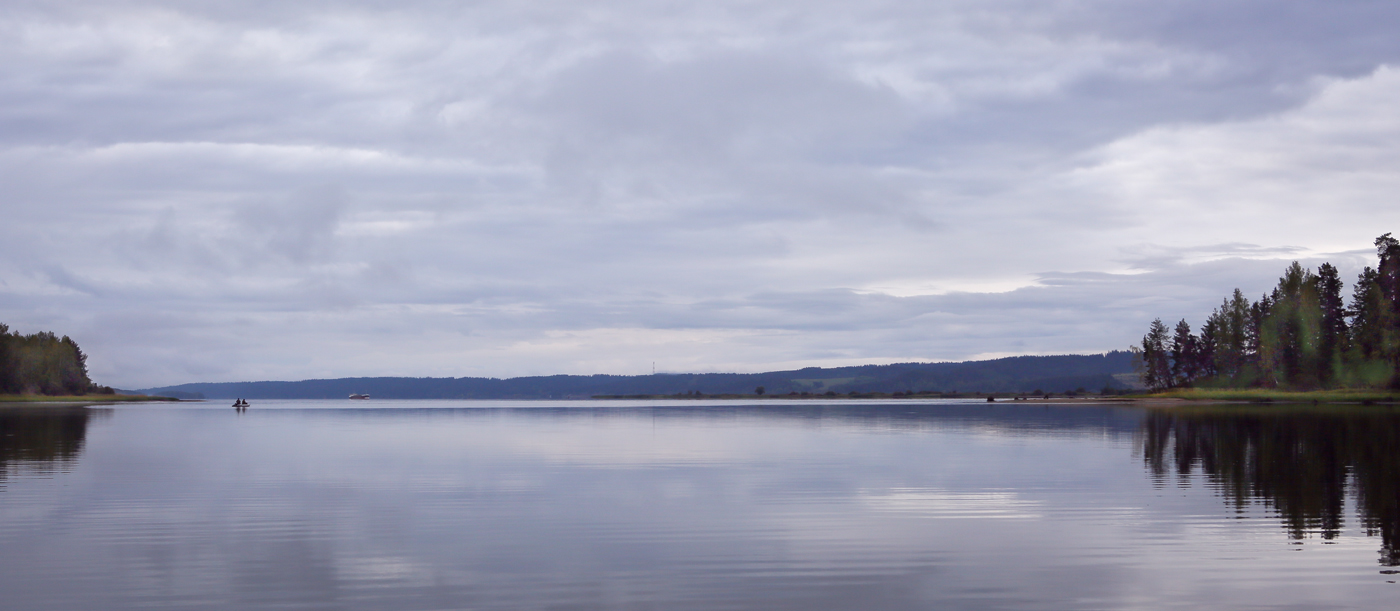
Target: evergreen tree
1367 302
1152 359
1206 348
8 382
1290 331
1332 342
1184 367
1388 281
1231 321
1258 363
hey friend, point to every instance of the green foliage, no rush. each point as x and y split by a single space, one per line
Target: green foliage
42 364
1297 337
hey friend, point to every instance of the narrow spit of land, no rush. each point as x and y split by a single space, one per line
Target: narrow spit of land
66 399
1265 395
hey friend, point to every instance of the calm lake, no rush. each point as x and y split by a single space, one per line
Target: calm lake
698 505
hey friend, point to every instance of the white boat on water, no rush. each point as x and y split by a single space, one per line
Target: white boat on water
358 396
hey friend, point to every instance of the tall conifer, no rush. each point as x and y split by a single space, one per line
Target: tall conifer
1152 360
1184 367
1332 341
1259 359
1206 347
1366 319
1388 281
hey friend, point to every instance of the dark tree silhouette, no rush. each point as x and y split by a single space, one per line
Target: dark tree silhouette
1299 462
1332 340
1388 281
1206 347
1184 354
1298 336
1152 359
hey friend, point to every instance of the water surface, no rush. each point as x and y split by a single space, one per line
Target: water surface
698 505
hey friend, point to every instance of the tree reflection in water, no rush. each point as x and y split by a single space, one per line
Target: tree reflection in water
1301 461
43 439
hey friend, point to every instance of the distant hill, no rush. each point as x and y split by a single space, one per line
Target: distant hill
1013 374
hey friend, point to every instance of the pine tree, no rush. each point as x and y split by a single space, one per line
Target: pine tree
1232 343
1184 368
1366 319
1388 281
1291 329
1152 359
1332 342
1206 347
1258 362
8 382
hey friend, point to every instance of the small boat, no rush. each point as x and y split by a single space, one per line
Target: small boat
359 397
240 404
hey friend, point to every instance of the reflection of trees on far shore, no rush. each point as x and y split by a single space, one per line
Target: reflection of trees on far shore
1300 461
41 440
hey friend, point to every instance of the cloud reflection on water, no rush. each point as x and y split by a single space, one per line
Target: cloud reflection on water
813 507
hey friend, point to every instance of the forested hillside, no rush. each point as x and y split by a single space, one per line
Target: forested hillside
43 364
1015 374
1301 336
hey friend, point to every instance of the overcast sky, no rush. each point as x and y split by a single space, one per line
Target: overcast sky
246 190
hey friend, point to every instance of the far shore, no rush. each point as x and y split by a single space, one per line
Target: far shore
1177 396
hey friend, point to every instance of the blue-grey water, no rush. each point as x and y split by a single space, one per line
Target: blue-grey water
698 505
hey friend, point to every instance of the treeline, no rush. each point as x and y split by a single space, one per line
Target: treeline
1301 336
43 364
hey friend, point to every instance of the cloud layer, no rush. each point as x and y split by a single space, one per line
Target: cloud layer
211 191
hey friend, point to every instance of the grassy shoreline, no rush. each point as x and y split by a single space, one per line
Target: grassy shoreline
1176 395
999 397
81 398
1266 395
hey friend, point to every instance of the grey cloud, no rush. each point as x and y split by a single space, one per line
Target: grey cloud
297 228
229 190
1289 39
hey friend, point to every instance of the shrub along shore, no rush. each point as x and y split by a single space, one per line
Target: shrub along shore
1185 395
